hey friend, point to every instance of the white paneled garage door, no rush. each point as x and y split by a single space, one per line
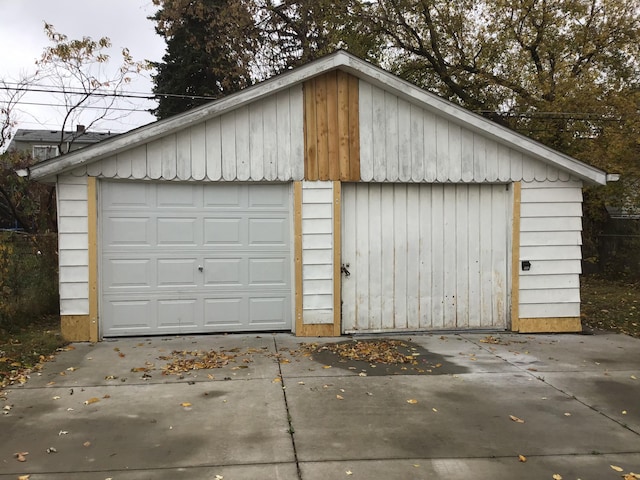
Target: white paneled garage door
425 257
187 258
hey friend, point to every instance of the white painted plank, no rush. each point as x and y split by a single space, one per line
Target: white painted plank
549 310
73 258
379 135
400 257
547 184
450 253
108 167
516 165
528 169
370 244
317 257
72 192
317 184
462 222
168 157
123 164
317 211
365 107
550 224
426 249
73 208
214 149
486 258
72 180
455 152
349 256
73 224
552 173
78 290
199 151
551 209
473 261
563 175
243 156
416 141
228 135
437 257
501 214
550 238
315 317
552 267
183 154
430 147
317 302
94 169
317 272
504 163
540 171
73 241
548 295
386 235
479 158
414 256
296 112
316 225
555 252
391 137
318 240
467 150
491 161
442 149
404 141
74 274
139 162
74 306
283 122
270 120
547 195
154 159
319 287
317 195
79 172
532 282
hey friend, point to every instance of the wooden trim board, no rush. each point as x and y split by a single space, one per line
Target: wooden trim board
92 206
337 259
515 258
550 325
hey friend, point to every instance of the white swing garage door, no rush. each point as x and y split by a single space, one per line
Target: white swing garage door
194 258
425 257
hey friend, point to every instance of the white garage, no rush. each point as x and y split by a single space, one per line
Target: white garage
332 199
185 258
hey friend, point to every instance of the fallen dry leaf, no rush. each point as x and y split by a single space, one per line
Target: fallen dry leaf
522 458
185 404
24 477
616 468
276 380
339 397
631 476
91 400
349 472
557 476
21 456
412 401
86 444
516 419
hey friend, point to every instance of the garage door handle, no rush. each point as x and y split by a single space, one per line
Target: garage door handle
200 268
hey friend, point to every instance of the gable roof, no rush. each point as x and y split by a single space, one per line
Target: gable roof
337 60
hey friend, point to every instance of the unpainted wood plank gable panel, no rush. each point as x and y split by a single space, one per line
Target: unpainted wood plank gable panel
550 239
331 127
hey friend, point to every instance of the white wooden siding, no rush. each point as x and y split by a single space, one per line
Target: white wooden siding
73 244
550 238
263 141
403 142
425 256
317 252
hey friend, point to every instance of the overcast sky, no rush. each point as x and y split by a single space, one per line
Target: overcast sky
22 40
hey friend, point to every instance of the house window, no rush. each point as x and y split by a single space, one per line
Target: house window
44 152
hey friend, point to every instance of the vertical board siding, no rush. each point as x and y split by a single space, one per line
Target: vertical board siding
550 238
425 257
317 252
73 241
404 142
262 141
331 127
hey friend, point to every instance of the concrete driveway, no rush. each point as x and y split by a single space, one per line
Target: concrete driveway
468 407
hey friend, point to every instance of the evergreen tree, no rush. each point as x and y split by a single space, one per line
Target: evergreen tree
210 44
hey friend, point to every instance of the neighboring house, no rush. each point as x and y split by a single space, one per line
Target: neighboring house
44 144
334 198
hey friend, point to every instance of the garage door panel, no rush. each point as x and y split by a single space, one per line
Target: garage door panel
177 231
224 272
268 231
268 271
224 231
121 232
177 312
151 280
127 273
177 272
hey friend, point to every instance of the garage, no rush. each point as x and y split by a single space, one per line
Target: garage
332 199
184 258
425 257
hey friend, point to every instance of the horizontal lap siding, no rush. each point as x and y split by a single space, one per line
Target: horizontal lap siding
317 252
550 238
403 142
262 141
73 240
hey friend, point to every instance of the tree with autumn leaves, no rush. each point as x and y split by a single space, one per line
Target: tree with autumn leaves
563 72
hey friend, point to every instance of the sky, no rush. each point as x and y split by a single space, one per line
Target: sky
22 40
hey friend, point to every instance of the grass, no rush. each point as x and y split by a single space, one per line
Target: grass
612 305
24 349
